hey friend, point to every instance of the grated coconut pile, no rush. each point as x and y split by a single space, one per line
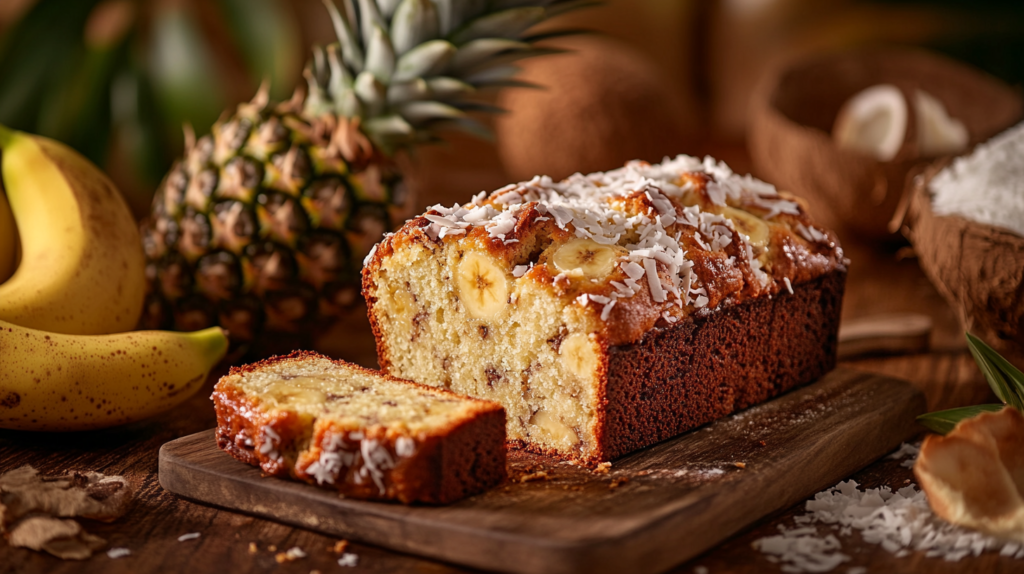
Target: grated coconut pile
986 186
901 522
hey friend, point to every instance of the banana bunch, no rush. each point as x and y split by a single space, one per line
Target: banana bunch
71 272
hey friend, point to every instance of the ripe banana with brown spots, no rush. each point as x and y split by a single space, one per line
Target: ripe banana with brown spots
53 382
82 269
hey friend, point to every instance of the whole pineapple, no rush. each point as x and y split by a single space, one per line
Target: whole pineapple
263 225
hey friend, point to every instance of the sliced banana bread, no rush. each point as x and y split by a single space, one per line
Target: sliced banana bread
364 434
613 310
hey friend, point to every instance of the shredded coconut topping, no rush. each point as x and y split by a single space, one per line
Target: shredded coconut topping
376 460
586 205
270 444
405 447
335 455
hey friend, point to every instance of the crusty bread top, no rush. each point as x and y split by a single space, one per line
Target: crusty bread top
350 396
680 228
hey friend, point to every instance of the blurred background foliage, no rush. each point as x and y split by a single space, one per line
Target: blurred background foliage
117 79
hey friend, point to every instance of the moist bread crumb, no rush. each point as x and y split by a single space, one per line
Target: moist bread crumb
359 432
610 311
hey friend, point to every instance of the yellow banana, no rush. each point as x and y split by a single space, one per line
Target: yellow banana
8 239
82 267
53 382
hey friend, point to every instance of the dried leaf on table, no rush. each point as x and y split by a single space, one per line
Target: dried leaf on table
974 476
63 538
34 509
83 494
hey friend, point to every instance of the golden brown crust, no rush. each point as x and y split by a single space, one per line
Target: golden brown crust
448 463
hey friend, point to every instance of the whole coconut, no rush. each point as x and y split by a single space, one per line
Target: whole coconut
601 105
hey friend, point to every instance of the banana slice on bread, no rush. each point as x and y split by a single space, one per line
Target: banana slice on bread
587 258
482 286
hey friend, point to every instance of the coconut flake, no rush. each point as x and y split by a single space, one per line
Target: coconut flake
653 281
405 446
348 560
606 311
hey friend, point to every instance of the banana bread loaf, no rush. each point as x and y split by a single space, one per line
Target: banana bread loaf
364 434
613 310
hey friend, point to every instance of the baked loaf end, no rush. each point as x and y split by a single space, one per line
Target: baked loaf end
364 434
609 311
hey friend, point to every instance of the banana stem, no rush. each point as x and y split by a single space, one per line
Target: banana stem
213 341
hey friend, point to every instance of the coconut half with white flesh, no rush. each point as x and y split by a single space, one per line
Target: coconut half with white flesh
938 133
874 122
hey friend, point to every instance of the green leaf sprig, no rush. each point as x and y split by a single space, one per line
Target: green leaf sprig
1007 383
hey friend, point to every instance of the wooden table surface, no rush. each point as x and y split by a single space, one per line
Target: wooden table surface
879 282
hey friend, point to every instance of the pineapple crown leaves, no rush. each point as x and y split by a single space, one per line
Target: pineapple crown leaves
407 67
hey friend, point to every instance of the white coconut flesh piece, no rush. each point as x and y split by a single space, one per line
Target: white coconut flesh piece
873 122
974 476
937 132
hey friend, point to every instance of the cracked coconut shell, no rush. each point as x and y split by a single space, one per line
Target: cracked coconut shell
974 476
794 112
978 269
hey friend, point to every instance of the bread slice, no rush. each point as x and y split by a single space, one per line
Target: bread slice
610 311
364 434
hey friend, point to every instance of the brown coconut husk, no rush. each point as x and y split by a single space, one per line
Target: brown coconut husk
599 106
793 114
978 268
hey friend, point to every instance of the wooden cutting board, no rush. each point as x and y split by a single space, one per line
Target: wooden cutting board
654 509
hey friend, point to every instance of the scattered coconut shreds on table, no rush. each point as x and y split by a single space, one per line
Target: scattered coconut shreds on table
901 522
906 450
118 552
348 559
189 536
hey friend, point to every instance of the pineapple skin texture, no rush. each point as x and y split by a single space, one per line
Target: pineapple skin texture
262 226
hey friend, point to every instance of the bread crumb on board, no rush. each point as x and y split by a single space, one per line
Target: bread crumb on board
538 475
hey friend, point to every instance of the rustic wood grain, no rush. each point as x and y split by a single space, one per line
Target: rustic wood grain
683 495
